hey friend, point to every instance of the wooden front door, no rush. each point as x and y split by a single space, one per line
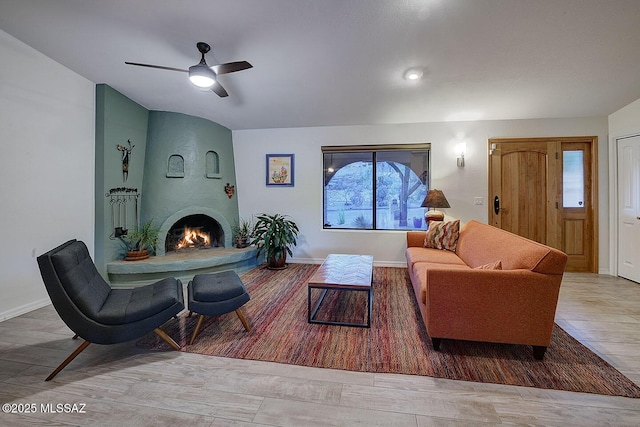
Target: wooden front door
542 189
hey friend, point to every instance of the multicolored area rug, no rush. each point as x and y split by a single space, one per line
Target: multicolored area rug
397 341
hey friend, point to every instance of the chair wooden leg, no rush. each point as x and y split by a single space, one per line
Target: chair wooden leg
162 334
243 320
68 360
197 329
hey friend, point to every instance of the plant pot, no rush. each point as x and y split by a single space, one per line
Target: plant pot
417 222
137 255
242 242
278 263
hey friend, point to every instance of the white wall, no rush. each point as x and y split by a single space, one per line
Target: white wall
47 173
460 185
624 122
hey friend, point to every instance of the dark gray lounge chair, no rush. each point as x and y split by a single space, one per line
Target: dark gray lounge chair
97 313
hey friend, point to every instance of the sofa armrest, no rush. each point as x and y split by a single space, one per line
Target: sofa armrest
513 306
416 238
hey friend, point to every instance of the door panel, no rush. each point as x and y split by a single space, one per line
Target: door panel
519 172
524 194
629 208
575 205
574 234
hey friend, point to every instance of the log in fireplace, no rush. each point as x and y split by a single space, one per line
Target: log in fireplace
194 232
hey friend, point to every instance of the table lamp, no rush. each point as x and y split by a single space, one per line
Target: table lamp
435 199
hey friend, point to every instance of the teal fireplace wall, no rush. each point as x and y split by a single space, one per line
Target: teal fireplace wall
118 120
189 162
178 163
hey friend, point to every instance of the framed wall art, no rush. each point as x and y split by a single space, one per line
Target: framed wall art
280 169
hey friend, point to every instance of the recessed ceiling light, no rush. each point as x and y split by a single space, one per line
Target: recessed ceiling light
413 74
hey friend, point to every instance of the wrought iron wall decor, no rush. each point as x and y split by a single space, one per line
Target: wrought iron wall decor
124 210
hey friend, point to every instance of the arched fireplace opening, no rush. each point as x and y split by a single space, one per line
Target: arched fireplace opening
193 232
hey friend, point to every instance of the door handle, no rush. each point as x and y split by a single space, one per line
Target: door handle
496 205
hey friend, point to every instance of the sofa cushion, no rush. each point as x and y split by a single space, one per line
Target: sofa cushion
416 255
442 235
124 306
421 268
497 265
480 244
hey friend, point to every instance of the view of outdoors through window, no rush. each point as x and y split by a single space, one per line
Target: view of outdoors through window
388 198
573 179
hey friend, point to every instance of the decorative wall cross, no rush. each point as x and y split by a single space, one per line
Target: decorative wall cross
126 152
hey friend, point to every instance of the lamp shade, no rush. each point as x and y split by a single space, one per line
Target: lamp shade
435 199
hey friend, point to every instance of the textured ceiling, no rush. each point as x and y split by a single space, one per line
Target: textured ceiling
341 62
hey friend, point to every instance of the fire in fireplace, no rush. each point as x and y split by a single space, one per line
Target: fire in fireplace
194 232
194 238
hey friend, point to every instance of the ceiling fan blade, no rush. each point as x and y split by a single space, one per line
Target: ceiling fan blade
156 66
219 90
231 67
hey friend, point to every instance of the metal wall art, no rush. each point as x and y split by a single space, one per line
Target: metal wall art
229 189
126 152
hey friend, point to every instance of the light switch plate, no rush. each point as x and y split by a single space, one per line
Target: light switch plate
478 200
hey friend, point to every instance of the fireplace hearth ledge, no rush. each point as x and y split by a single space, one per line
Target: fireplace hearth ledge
182 265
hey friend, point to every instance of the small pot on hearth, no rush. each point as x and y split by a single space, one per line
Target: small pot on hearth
137 255
242 242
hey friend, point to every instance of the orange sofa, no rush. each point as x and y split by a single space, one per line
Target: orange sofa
458 300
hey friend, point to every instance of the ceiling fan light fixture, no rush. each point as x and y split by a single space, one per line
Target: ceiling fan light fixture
202 76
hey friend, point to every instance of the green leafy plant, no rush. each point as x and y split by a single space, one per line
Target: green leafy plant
144 237
275 235
361 222
242 232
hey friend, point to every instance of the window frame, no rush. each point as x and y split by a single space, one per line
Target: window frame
374 150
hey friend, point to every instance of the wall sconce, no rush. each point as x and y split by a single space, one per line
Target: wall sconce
461 148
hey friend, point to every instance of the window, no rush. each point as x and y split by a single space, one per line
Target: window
572 179
375 187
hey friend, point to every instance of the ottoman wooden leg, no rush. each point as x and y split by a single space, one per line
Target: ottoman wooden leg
243 320
197 329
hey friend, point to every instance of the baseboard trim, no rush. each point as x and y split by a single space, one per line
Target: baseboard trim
18 311
399 264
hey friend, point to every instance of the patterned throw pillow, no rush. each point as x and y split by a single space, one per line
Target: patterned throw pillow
497 265
443 235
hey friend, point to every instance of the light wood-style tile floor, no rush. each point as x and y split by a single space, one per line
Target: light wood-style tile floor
123 385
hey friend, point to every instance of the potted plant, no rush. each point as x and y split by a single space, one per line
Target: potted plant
140 241
275 235
417 222
242 232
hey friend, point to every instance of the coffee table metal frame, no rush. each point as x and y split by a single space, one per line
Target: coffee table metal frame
319 281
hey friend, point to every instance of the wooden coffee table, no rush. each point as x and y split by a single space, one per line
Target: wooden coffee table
346 273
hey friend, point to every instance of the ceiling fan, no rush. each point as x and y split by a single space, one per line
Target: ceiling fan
201 74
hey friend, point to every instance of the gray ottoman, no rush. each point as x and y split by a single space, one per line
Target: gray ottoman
215 294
